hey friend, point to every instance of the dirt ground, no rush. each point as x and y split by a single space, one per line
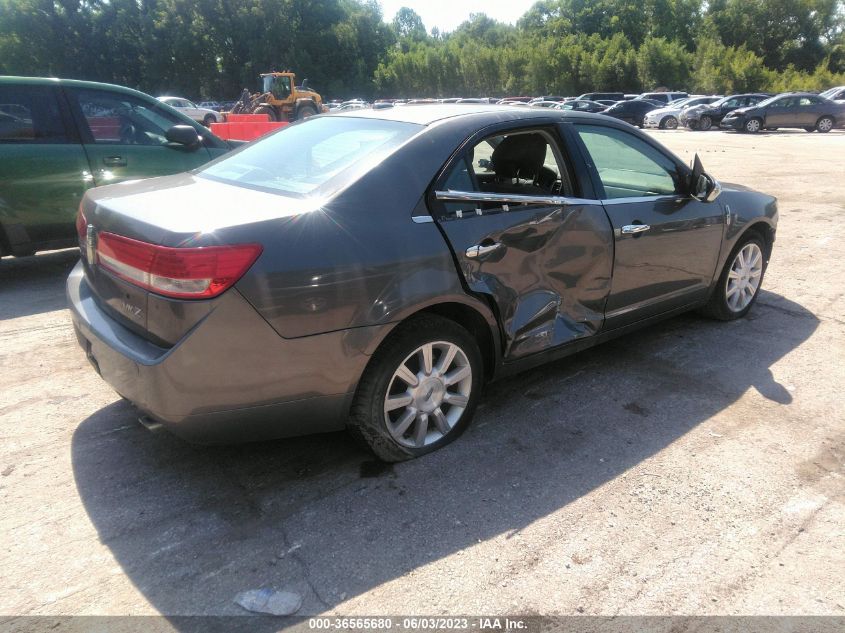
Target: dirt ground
691 468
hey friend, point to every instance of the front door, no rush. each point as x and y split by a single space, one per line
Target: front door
509 207
124 136
666 243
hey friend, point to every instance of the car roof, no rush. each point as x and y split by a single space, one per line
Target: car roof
429 114
70 83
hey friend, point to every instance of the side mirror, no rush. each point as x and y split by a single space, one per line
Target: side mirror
184 135
701 185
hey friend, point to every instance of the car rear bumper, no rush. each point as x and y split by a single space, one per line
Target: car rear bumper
232 377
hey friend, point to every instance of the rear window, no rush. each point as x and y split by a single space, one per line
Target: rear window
311 155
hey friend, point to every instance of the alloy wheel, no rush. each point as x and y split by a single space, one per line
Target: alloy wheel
825 124
671 123
752 125
744 277
428 394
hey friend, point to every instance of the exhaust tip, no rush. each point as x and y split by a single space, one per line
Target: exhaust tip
150 424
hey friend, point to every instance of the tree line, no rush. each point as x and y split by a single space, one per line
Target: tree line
214 48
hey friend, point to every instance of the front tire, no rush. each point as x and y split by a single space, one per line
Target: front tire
669 123
705 123
824 124
419 391
752 126
740 281
268 111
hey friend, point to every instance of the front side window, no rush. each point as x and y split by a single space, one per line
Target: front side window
524 163
30 114
628 166
302 158
120 119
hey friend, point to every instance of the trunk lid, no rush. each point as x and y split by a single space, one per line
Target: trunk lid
179 212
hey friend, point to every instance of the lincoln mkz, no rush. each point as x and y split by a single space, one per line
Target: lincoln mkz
372 270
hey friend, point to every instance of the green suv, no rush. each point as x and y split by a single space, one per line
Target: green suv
59 138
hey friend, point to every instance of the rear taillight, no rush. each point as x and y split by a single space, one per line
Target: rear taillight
184 273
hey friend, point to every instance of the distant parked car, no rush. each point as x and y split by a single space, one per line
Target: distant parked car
200 115
595 96
544 104
606 102
802 110
704 117
211 105
475 100
59 138
663 97
834 94
633 111
667 118
582 105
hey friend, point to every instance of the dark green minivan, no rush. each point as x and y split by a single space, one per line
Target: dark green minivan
59 138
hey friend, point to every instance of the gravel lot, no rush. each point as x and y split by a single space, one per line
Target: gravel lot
691 468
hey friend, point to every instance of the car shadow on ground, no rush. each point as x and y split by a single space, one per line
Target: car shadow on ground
40 279
194 526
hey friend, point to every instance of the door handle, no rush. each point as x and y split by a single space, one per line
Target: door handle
633 229
114 161
480 250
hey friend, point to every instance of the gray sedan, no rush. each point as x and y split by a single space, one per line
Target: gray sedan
393 263
802 110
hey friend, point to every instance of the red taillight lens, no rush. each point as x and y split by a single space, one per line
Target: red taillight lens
184 273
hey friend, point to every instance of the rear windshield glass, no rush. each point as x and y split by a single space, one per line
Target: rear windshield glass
311 155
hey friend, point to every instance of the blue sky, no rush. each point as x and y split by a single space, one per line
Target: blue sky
446 15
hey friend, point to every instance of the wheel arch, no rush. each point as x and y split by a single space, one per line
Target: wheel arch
764 231
478 320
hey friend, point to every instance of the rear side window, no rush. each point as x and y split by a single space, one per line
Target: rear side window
30 114
627 166
307 156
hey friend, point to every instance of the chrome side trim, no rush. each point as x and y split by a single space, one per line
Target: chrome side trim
635 199
422 219
509 198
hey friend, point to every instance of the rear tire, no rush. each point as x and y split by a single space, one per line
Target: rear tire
669 123
735 278
305 110
705 123
825 124
398 420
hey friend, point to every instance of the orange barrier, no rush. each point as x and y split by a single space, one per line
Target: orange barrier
246 118
245 130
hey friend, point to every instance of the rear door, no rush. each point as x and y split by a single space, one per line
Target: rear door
512 208
124 136
666 242
43 169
